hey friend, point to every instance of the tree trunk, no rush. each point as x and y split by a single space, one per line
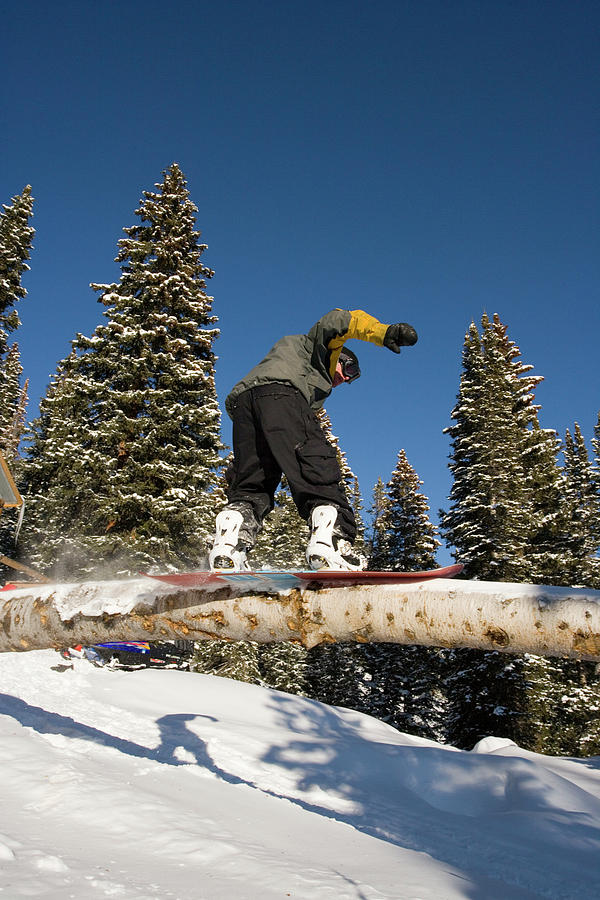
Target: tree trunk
513 618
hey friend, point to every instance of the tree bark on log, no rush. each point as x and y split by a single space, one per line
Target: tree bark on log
513 618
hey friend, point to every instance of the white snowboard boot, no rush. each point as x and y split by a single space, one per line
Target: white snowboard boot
227 554
326 548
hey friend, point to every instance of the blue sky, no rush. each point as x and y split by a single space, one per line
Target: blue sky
422 160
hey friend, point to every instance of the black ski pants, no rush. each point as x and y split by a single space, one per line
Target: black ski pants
275 431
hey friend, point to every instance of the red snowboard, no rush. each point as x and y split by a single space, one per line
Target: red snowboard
265 579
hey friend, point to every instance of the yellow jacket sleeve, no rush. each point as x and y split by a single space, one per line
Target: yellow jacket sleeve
362 327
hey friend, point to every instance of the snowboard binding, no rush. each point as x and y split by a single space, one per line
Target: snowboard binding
228 554
326 548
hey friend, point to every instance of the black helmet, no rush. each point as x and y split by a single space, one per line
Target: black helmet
349 363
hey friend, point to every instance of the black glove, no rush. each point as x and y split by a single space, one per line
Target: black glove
400 335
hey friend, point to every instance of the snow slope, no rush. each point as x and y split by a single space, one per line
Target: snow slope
162 784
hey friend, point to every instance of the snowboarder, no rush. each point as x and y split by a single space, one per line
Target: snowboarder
275 431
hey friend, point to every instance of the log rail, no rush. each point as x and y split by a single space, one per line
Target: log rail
512 618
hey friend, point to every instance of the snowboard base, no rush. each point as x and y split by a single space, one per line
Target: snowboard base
265 579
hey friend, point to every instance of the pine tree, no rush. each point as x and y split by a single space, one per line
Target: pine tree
356 502
124 459
237 660
283 666
596 484
16 239
506 524
378 544
490 518
13 405
596 446
549 526
403 526
582 503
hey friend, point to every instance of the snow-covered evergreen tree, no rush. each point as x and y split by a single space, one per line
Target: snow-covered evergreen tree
356 502
347 674
237 660
596 446
596 483
407 538
124 458
582 504
507 522
16 239
378 543
490 518
490 694
546 559
13 404
562 699
283 666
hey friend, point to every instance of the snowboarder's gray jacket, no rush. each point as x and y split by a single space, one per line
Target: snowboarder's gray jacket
308 361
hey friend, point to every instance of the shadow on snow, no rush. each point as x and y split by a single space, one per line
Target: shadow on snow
476 812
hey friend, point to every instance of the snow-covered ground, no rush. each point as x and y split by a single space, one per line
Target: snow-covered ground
162 784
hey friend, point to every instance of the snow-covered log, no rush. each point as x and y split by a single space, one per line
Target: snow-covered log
514 618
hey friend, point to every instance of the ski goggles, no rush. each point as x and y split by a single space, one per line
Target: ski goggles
349 363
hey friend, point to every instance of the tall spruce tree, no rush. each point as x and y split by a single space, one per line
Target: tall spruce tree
16 239
596 446
582 504
124 458
490 518
561 702
503 524
13 404
596 482
576 713
544 705
549 526
378 542
407 538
